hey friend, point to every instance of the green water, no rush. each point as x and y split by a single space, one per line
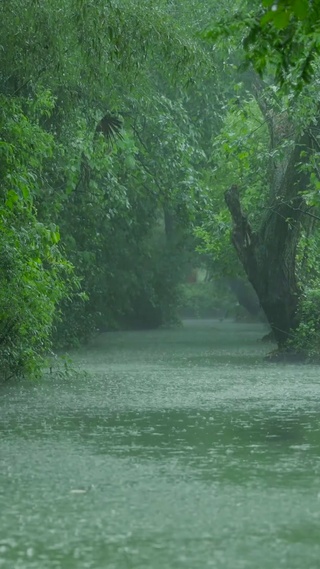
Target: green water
180 449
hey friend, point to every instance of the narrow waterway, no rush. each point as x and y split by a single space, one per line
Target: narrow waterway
177 449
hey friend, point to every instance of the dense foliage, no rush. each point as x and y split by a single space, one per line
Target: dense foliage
122 126
99 162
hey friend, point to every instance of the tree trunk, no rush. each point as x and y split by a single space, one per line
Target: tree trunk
268 255
245 295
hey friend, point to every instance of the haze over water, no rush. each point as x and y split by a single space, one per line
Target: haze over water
178 449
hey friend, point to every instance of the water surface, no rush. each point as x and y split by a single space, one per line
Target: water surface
178 449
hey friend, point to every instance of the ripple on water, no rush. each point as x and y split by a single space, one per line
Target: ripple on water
178 449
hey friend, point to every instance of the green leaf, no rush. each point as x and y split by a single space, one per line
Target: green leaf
281 19
268 17
301 9
12 198
55 236
25 192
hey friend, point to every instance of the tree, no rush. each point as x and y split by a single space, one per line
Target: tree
267 232
34 273
76 80
284 35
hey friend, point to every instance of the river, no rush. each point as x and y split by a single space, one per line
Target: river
177 449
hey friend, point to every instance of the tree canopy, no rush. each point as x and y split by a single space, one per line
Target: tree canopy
139 140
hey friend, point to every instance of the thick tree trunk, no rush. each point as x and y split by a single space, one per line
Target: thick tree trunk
268 255
270 268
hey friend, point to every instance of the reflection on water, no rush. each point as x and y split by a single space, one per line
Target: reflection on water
180 449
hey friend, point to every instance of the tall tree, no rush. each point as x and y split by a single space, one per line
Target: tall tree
267 239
